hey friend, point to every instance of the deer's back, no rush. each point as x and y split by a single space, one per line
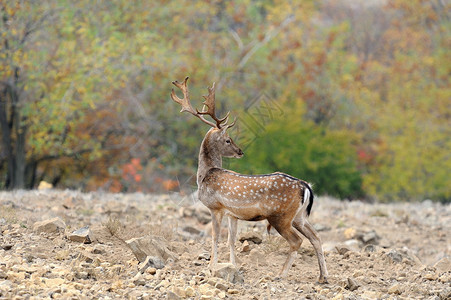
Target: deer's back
251 197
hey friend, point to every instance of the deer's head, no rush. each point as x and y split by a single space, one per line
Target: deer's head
218 138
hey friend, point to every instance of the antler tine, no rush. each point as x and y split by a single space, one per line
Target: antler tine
210 103
185 102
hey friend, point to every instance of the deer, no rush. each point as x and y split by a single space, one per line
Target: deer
283 200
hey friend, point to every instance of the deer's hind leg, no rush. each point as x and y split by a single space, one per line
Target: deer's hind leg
311 234
294 240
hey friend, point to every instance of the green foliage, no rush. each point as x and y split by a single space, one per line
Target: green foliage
294 145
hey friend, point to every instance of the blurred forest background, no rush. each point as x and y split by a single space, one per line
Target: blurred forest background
353 96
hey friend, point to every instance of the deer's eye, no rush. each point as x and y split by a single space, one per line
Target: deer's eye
228 141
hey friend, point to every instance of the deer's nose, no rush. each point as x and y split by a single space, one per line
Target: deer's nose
240 152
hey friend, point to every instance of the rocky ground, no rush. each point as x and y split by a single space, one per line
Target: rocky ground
72 245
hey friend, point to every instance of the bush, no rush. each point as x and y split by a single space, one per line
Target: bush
299 148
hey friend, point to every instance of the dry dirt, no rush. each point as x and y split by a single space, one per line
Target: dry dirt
373 251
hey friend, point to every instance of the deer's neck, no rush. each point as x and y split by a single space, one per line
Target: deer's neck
209 157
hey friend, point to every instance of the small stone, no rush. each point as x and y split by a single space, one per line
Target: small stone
443 265
189 291
341 249
321 227
221 286
204 289
172 296
339 296
49 226
3 275
245 247
395 289
370 248
228 272
6 247
212 281
233 291
98 249
151 271
138 280
191 230
394 256
43 185
151 245
82 235
251 236
204 256
179 291
352 284
151 262
350 233
370 237
352 244
431 276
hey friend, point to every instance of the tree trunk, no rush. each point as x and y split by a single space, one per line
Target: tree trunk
6 139
20 155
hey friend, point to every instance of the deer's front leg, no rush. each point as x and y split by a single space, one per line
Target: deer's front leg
216 218
231 238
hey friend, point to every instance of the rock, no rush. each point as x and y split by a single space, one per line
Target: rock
151 271
321 227
395 289
339 296
251 236
204 256
206 289
443 265
351 284
151 262
352 244
370 248
350 233
228 272
342 249
245 247
369 237
394 256
138 280
98 249
189 291
82 235
445 278
221 286
151 245
49 226
201 213
3 275
191 230
233 291
172 296
431 276
44 186
6 247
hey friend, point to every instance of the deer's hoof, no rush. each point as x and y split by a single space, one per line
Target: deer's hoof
323 280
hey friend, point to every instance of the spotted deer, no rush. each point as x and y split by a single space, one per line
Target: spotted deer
283 200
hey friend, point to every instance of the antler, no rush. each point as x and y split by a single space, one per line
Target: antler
209 102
